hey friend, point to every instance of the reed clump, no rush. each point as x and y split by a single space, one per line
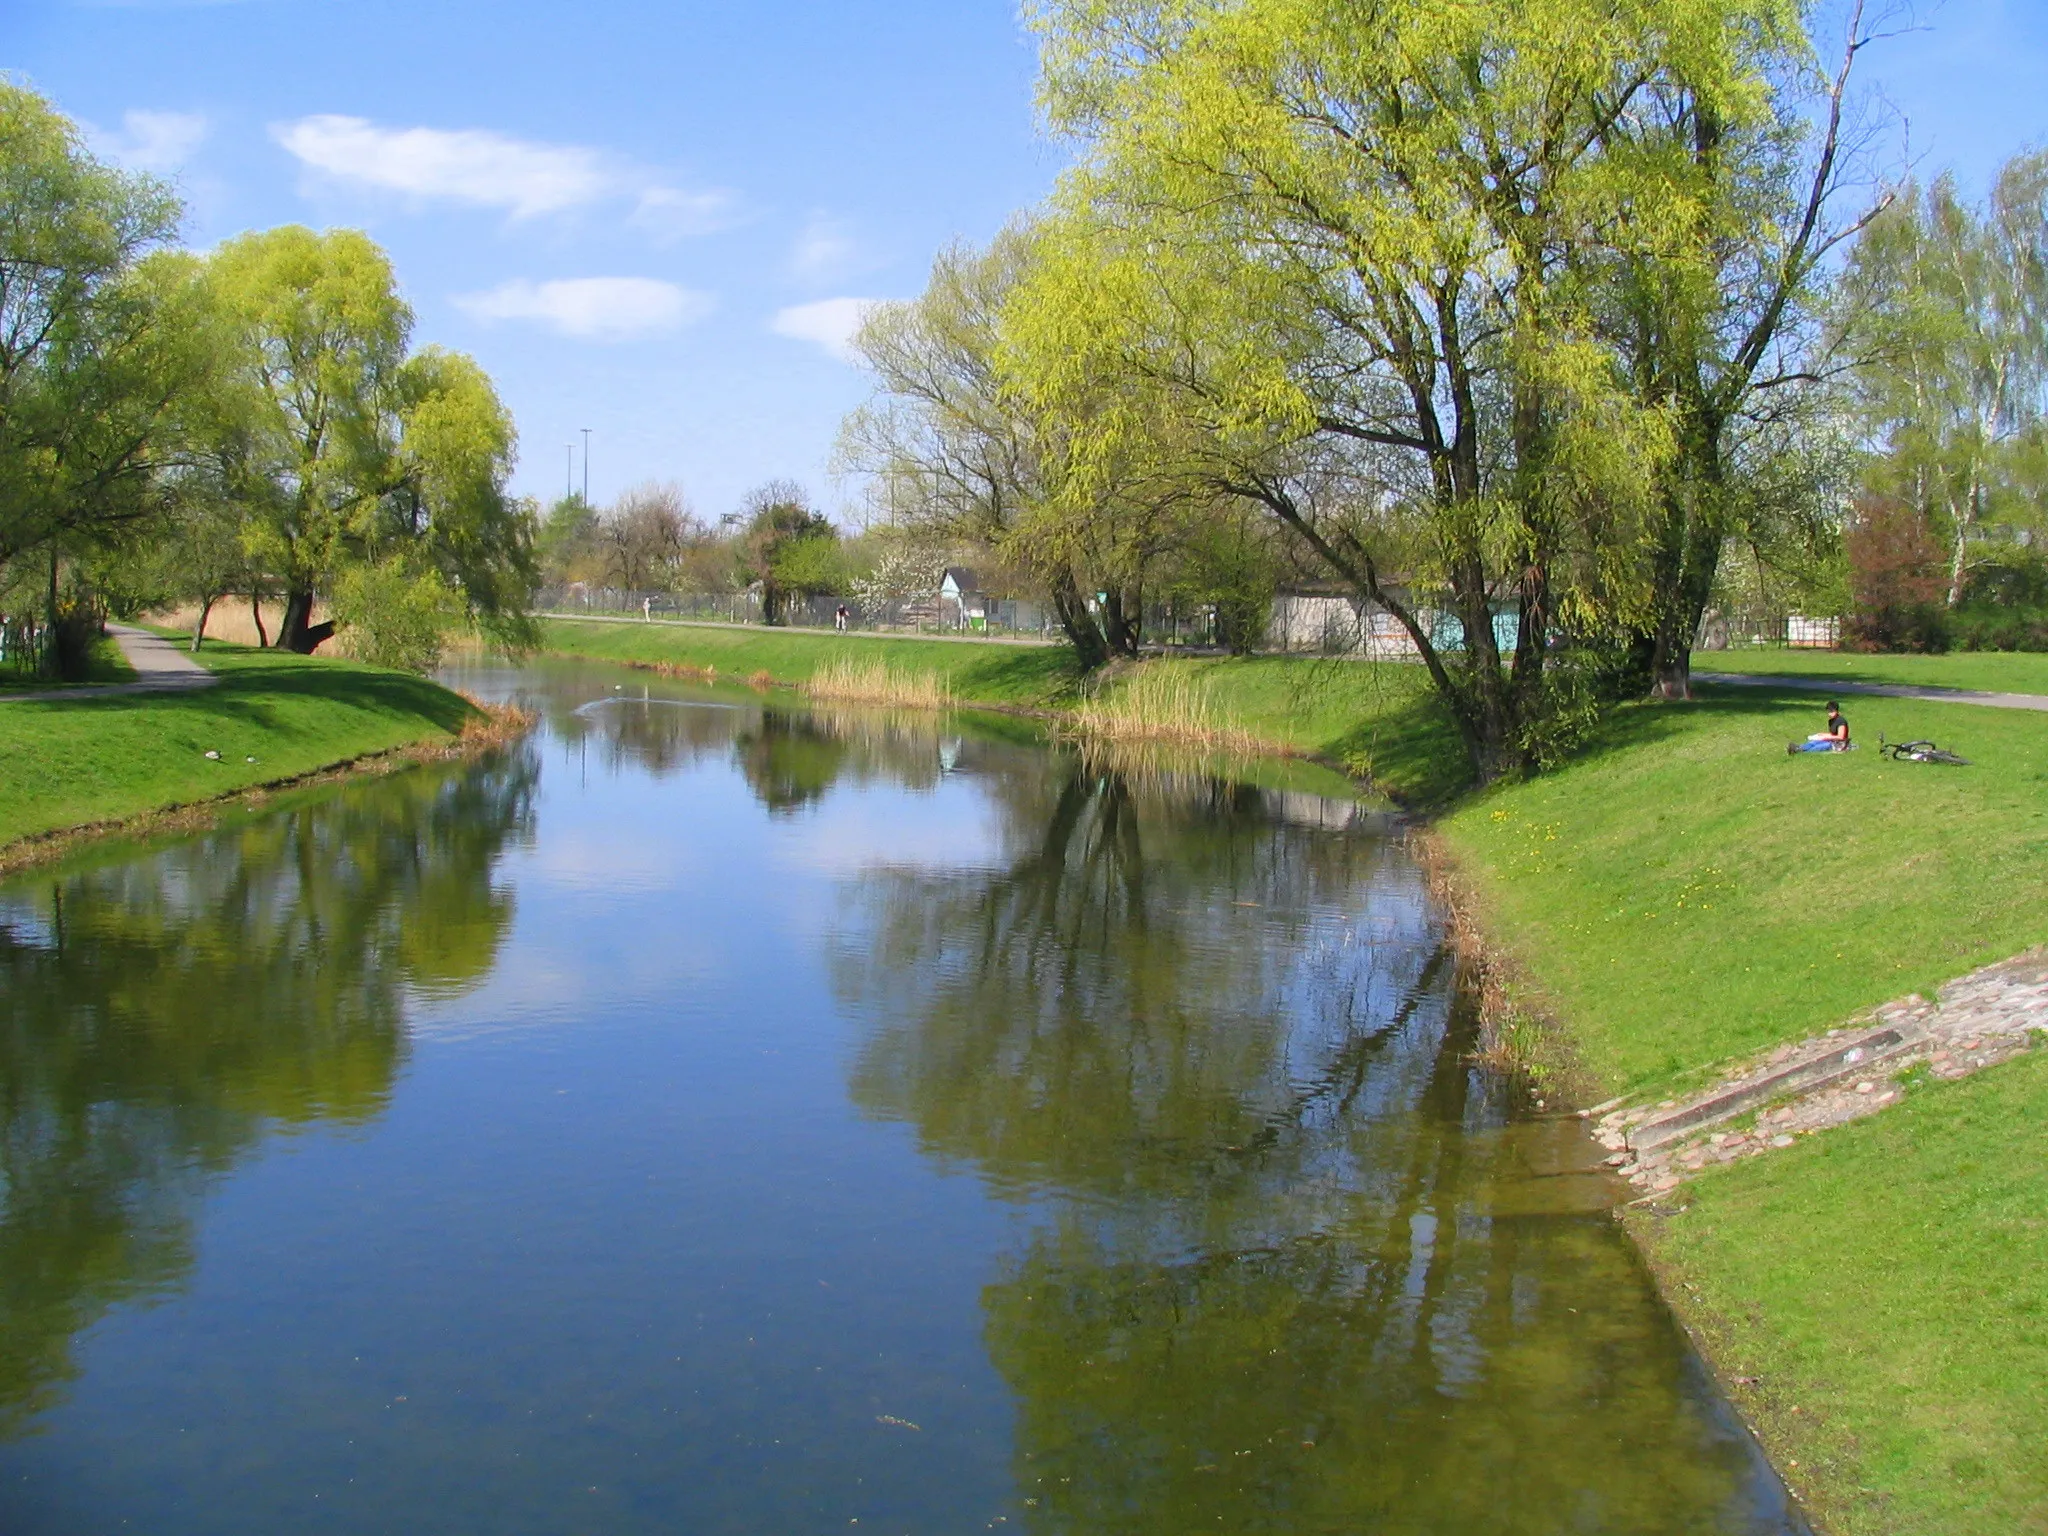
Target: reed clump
687 671
875 682
493 725
1165 702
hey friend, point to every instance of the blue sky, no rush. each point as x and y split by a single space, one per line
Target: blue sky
656 219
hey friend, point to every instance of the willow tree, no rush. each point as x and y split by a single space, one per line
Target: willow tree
956 457
98 343
965 454
377 476
1358 234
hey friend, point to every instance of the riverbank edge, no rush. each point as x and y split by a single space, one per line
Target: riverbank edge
1039 682
486 727
1527 1030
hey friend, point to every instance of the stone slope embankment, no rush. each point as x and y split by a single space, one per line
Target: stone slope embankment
1861 1068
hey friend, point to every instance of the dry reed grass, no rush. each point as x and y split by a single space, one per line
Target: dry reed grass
229 622
687 671
876 682
1518 1029
1166 702
494 725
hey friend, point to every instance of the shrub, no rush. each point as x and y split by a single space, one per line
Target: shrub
1895 579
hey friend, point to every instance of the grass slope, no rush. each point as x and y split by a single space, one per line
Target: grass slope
1992 671
1889 1281
1685 892
72 762
1379 720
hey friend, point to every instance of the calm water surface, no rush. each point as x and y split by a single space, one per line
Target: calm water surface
722 1117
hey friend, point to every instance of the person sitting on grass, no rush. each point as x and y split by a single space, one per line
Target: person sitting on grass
1834 739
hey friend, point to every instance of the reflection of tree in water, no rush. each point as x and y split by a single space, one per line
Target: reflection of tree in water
156 1015
790 757
1279 1283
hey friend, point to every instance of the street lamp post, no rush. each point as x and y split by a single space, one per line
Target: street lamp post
586 466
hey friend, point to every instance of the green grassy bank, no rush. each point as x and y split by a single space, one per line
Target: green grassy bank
1377 720
74 762
1685 892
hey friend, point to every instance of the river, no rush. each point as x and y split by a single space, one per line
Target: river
717 1115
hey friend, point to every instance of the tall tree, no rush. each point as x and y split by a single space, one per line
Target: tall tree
99 339
778 517
370 457
957 456
1952 306
1359 226
1717 321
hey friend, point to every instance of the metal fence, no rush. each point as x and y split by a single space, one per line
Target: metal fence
1301 623
1000 617
1742 630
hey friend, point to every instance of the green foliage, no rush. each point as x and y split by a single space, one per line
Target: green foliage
811 565
780 517
394 614
98 339
566 540
1363 269
351 452
1949 304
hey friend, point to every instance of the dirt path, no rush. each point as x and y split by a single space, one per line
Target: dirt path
2033 701
161 666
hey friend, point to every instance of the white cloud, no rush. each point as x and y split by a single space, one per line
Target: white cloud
493 170
593 308
829 323
471 165
671 212
824 250
154 141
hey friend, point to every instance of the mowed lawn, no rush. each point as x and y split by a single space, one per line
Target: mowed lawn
1881 1291
1685 892
72 762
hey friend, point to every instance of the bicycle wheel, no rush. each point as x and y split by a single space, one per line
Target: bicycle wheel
1936 755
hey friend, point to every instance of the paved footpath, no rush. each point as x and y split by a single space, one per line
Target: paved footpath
161 666
2033 701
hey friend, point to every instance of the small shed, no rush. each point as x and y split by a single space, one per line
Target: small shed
961 603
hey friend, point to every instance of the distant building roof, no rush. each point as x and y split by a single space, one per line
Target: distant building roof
960 579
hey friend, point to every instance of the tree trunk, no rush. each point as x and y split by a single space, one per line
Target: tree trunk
771 603
297 631
199 629
256 613
1080 626
1122 622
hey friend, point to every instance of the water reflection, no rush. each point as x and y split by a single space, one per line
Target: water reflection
1294 1263
159 1012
